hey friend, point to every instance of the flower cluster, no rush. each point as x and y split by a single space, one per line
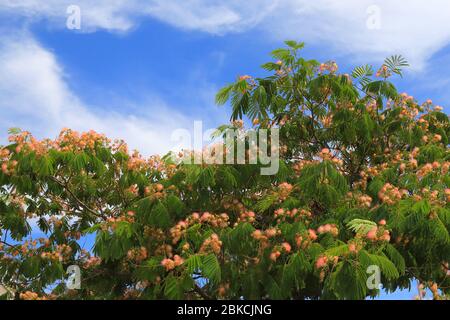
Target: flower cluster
136 162
213 243
70 140
137 255
72 234
379 234
277 250
248 216
25 141
354 247
284 190
330 66
222 290
238 124
328 228
112 223
62 253
284 70
233 205
164 250
312 234
9 167
390 194
325 154
365 201
322 261
55 221
383 72
295 214
427 168
214 220
267 234
447 194
92 262
178 231
30 295
170 264
154 233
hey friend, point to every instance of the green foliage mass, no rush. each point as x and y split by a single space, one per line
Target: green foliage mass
363 180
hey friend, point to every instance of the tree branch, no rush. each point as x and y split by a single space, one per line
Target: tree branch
81 203
202 293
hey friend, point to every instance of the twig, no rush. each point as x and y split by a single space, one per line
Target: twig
202 293
81 203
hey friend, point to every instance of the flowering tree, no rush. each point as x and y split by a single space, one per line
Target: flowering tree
363 186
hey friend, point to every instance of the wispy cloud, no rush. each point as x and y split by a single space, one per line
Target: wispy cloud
35 95
414 28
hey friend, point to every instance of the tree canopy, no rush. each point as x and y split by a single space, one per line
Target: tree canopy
363 181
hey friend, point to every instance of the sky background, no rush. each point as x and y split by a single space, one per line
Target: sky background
138 70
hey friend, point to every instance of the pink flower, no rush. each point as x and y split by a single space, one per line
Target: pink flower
195 216
286 246
321 262
312 234
372 234
178 260
245 77
273 256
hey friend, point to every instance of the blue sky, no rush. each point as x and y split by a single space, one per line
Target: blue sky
138 70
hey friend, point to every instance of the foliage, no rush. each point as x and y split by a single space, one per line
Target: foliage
364 180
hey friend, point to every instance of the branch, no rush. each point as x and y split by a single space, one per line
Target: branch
7 244
202 293
81 203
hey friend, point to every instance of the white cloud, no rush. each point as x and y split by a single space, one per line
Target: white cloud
113 15
216 17
122 15
35 96
414 28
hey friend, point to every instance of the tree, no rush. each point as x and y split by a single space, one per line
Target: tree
363 181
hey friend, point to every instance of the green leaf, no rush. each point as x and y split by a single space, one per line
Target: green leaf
396 258
45 166
395 64
386 266
149 270
159 216
172 288
194 264
265 203
363 74
224 94
282 54
211 268
174 205
348 281
361 226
